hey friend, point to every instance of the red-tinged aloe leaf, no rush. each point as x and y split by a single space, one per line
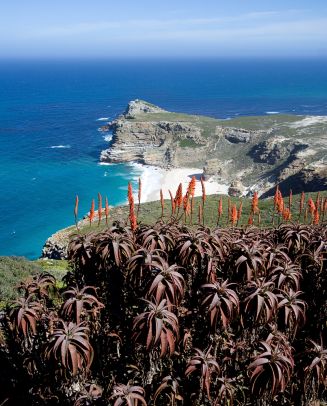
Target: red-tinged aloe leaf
316 361
149 337
162 387
139 398
258 362
207 385
164 344
190 369
73 357
159 325
79 308
260 300
240 260
115 246
171 342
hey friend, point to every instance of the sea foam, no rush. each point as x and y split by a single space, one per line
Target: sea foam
59 146
108 138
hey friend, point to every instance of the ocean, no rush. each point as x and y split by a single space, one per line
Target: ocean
49 120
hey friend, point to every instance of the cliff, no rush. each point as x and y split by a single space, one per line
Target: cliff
254 152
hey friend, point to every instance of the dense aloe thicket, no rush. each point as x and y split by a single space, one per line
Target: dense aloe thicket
169 315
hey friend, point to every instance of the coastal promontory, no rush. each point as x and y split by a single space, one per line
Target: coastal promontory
253 152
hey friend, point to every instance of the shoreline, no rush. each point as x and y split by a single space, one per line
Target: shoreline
154 178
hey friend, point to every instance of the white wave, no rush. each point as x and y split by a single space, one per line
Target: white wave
103 119
105 163
272 112
107 138
59 146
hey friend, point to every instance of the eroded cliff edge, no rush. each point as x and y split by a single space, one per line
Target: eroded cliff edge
250 152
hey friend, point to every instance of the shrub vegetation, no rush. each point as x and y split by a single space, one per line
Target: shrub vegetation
173 314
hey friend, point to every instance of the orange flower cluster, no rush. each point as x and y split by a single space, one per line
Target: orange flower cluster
91 214
287 215
311 206
204 196
234 215
255 203
316 216
179 196
132 217
99 208
191 187
276 197
279 202
220 207
186 205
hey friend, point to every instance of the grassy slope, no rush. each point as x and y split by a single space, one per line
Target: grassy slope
13 270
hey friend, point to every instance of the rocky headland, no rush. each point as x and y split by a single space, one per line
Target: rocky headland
247 152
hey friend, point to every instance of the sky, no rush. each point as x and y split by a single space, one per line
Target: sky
168 28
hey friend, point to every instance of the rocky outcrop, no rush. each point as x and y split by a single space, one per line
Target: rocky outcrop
149 142
211 168
305 179
236 188
137 107
237 135
269 151
55 248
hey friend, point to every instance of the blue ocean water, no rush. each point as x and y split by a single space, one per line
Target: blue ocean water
50 145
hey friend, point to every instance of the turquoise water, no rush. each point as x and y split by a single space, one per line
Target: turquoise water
46 104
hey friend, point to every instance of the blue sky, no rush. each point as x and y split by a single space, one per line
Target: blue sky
179 28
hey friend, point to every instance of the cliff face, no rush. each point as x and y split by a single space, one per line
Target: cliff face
149 142
253 151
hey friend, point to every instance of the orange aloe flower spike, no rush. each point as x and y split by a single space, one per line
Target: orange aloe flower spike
191 187
132 217
179 196
234 215
91 214
99 208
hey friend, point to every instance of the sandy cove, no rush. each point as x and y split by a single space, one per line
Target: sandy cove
153 179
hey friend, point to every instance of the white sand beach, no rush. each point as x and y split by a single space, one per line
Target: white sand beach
154 178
